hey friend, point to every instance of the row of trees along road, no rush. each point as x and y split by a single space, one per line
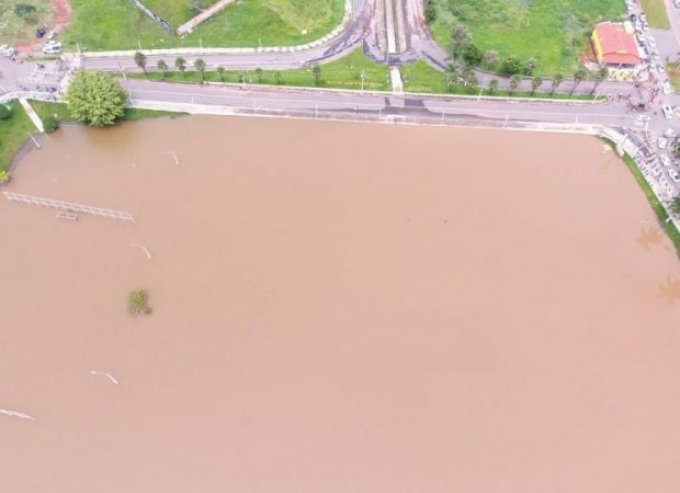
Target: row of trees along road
470 56
200 66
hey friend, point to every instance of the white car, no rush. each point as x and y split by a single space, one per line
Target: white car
6 50
667 111
662 142
667 89
52 47
675 176
665 160
669 132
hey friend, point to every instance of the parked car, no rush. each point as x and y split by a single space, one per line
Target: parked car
669 132
52 47
667 111
6 50
665 160
675 176
662 142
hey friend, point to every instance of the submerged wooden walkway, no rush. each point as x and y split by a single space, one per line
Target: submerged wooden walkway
69 206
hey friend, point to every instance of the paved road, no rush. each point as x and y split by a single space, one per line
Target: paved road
306 101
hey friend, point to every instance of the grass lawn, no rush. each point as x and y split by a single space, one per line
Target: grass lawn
655 11
420 77
118 24
344 73
16 28
555 32
14 132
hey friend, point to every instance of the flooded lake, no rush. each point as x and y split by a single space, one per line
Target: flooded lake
336 308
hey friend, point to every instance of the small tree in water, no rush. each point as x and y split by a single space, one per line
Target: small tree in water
138 302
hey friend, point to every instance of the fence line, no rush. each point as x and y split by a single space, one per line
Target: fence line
69 206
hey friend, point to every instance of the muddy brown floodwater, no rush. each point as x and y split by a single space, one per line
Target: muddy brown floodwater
337 308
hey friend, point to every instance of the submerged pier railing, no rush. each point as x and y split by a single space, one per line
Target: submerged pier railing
69 206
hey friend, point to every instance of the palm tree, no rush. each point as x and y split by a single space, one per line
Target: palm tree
515 81
162 68
600 76
493 86
220 72
140 60
579 75
451 76
316 73
199 65
473 82
535 84
557 80
181 65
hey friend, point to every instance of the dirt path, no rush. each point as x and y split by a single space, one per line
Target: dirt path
62 9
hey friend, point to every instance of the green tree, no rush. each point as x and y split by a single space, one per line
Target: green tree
493 86
259 74
5 111
138 302
515 81
511 66
579 75
451 77
600 76
530 66
675 205
556 81
472 82
535 84
220 72
96 98
181 65
140 60
430 11
50 124
316 73
199 65
491 59
472 55
459 38
277 78
163 68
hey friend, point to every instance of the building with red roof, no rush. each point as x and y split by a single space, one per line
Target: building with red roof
614 45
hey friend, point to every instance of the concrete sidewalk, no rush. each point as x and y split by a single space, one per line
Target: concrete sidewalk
32 114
